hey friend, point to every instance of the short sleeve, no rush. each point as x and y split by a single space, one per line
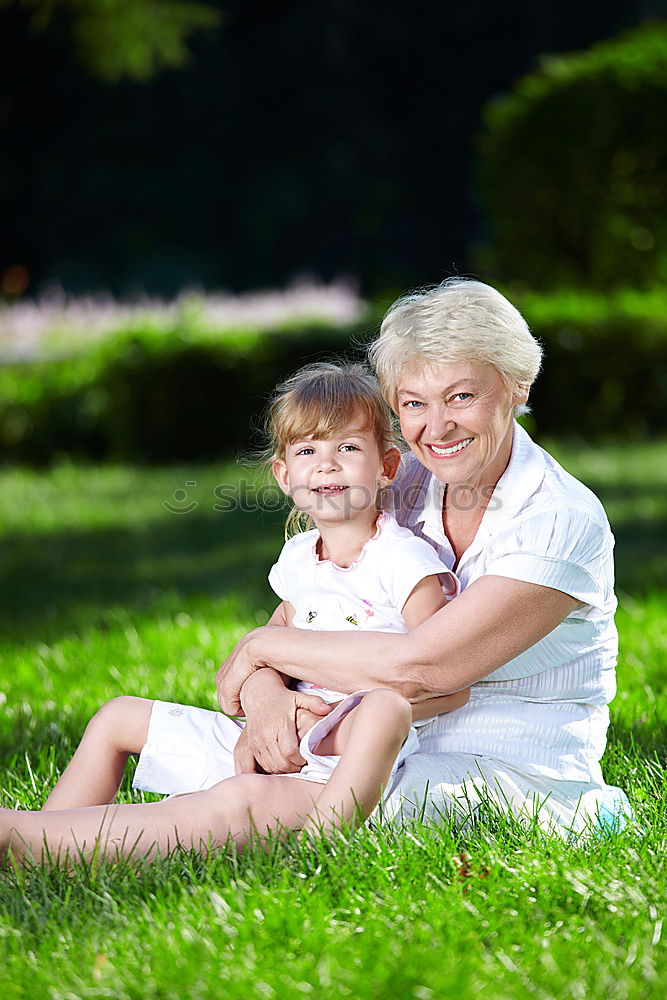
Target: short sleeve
565 549
413 559
277 582
282 571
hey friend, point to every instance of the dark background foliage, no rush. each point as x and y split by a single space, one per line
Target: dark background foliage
573 169
325 137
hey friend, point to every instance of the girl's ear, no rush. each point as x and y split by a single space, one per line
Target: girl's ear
390 464
279 470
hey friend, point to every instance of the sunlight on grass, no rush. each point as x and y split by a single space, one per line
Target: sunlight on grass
106 590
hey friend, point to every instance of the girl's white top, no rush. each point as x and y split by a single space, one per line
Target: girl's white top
545 712
368 595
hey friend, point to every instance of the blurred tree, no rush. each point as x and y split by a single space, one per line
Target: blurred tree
326 137
132 38
573 168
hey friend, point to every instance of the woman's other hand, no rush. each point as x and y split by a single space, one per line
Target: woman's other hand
276 719
235 671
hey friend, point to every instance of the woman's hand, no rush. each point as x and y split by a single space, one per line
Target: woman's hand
235 671
276 719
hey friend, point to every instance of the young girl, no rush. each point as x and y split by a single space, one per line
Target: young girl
332 451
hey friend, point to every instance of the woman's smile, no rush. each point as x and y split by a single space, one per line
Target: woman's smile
447 450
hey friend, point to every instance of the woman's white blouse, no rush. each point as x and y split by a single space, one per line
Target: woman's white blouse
545 712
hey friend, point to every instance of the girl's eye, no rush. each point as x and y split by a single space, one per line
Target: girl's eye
349 447
306 451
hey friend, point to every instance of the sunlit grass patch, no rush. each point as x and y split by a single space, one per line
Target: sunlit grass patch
107 591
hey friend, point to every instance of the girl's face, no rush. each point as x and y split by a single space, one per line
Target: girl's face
458 420
336 479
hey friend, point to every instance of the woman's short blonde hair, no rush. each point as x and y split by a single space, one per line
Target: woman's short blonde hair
458 320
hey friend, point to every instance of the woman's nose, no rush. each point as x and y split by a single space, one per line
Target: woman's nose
439 425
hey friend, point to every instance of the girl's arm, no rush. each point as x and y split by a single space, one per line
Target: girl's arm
283 615
425 600
491 622
438 706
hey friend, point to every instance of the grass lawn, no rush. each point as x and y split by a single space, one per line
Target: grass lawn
105 590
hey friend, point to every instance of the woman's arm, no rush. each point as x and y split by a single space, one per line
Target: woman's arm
492 621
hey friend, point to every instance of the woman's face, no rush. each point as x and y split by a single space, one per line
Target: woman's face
457 419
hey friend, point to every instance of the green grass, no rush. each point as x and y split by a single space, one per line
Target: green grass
105 591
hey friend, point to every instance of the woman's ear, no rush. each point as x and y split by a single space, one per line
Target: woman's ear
279 470
520 394
390 464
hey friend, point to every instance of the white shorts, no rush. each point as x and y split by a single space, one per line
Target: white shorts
190 749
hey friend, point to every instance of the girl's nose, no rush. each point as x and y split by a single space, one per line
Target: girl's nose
328 463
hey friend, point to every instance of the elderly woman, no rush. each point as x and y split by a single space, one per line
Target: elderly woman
532 632
533 629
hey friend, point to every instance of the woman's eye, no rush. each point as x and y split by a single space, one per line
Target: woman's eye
463 397
412 404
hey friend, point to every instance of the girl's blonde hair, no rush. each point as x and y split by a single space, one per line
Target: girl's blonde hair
320 400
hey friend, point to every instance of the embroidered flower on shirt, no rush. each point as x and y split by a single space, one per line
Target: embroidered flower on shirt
369 608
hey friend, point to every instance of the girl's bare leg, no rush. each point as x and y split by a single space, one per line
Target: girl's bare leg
369 739
233 809
95 772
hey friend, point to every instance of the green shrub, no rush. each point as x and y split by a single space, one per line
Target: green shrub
149 397
153 396
605 369
573 169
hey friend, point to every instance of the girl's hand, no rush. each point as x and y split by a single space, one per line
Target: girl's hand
309 710
276 719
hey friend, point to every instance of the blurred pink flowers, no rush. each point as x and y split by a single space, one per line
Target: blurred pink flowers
58 325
